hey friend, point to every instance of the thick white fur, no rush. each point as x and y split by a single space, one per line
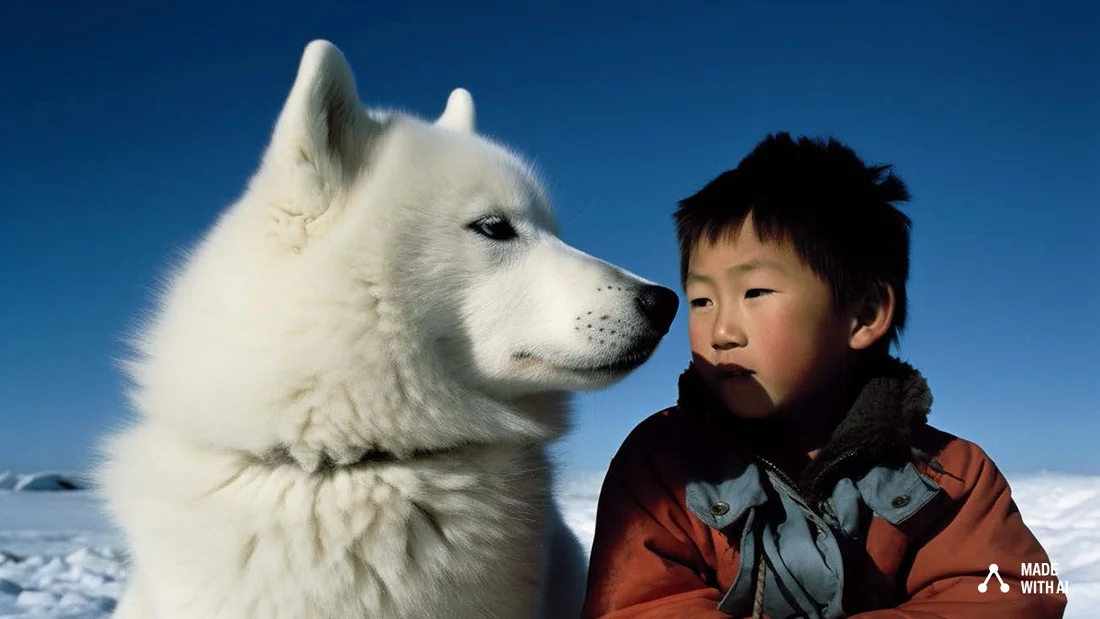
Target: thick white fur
343 305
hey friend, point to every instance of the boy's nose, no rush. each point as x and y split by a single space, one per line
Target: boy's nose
727 334
658 305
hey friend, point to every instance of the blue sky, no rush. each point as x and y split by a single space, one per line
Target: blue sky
125 128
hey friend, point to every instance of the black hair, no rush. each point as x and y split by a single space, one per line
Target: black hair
837 212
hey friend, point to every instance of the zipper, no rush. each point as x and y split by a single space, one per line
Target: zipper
933 463
851 453
778 471
786 479
818 520
794 488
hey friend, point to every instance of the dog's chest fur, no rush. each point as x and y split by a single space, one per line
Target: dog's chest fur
454 536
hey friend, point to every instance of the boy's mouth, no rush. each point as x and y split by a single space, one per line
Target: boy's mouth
731 370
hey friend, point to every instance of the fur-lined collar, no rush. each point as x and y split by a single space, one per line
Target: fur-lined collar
893 401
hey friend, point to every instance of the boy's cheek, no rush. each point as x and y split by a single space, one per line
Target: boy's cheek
705 368
698 336
702 363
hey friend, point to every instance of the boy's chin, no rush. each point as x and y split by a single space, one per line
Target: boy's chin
749 414
747 402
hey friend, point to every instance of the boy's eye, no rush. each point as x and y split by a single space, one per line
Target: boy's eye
699 302
757 292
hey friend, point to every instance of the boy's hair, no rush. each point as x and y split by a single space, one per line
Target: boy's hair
836 211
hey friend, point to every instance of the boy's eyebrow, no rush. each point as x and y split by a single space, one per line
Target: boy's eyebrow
754 264
740 269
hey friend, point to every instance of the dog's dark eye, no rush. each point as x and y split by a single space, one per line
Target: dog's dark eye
494 227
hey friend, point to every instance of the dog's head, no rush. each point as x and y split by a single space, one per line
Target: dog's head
377 254
460 235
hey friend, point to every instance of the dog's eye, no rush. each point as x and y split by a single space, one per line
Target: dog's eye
494 227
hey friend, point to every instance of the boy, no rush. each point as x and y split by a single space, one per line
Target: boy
797 475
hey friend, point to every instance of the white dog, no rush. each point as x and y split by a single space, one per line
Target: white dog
345 394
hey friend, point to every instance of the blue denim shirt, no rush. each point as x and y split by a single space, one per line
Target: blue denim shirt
801 545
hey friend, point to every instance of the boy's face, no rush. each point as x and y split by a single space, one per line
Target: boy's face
764 331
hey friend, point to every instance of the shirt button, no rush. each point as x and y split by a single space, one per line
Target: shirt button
900 501
720 508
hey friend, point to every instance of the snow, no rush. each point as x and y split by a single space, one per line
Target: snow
59 559
46 481
1064 513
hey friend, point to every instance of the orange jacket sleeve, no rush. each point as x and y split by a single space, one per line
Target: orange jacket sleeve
645 562
984 528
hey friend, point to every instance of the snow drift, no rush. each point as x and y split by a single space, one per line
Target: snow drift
46 481
59 559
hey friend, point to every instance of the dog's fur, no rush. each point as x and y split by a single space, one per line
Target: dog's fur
345 393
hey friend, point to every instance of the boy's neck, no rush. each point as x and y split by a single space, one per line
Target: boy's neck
796 435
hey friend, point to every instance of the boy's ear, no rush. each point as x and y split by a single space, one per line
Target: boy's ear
872 317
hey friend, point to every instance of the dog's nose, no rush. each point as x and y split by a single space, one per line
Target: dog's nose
658 305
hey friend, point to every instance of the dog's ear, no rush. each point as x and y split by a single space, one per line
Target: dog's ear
459 113
323 124
320 143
